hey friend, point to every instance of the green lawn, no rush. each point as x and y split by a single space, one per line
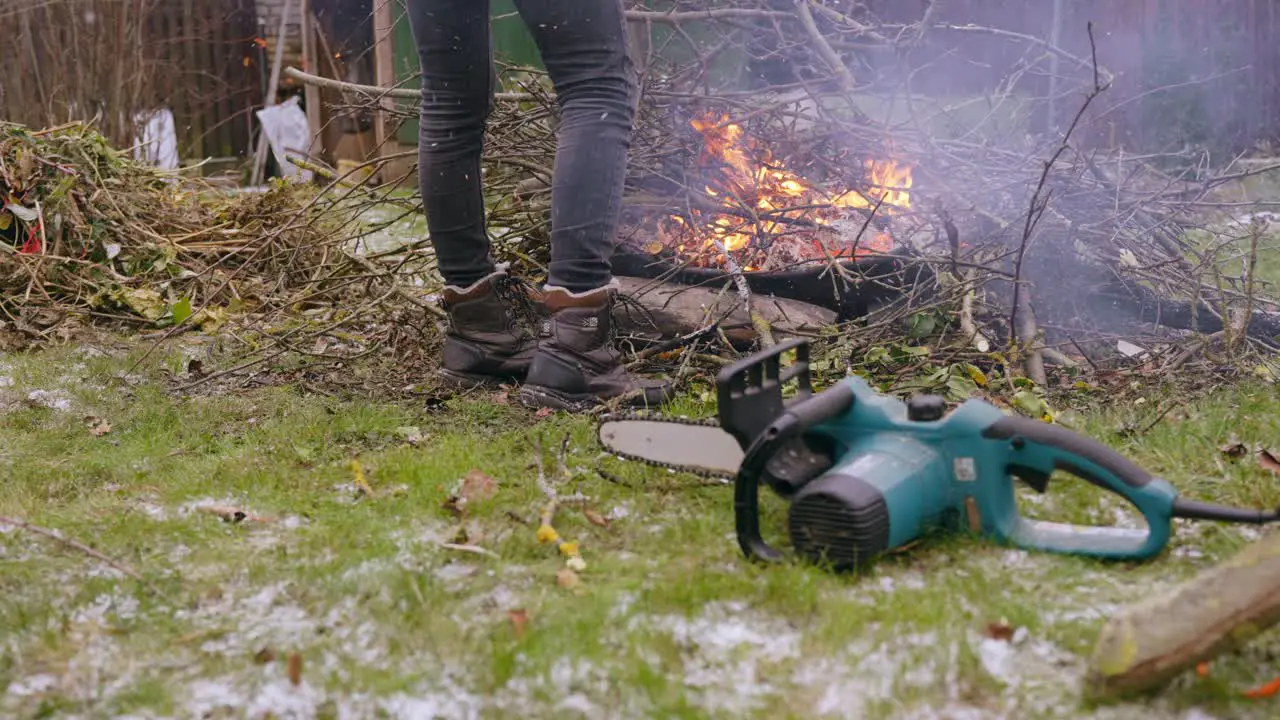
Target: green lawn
666 619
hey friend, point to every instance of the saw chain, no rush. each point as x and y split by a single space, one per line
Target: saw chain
666 419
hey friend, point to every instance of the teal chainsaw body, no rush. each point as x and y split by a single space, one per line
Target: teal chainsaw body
866 473
901 469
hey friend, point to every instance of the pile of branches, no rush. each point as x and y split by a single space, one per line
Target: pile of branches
86 229
88 234
1039 242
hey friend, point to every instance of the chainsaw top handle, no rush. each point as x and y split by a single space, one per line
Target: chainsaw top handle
752 409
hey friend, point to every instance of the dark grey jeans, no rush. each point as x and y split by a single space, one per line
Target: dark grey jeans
583 44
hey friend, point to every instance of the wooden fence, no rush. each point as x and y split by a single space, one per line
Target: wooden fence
77 60
216 67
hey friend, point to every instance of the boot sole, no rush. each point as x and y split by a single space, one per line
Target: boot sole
468 381
537 397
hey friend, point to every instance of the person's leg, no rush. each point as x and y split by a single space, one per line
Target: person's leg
583 44
453 51
484 344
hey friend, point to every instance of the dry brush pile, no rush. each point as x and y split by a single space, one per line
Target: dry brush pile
88 234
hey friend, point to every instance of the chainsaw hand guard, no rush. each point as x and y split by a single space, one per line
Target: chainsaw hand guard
750 390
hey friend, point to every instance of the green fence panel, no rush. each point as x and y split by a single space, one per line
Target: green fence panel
512 44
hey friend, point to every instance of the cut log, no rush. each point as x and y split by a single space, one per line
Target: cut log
1152 642
669 310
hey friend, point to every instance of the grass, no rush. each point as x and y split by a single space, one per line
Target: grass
667 619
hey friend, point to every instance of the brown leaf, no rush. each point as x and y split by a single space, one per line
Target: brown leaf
567 579
264 656
97 426
1000 631
519 619
295 669
543 412
1234 449
1268 461
499 398
478 487
595 518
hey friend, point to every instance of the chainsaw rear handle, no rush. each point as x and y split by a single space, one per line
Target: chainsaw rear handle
802 416
1037 449
1119 473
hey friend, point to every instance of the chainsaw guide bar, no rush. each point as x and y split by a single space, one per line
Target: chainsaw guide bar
643 437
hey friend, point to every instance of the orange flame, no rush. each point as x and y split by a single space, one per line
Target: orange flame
765 206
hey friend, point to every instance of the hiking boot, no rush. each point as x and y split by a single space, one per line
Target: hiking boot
485 345
576 367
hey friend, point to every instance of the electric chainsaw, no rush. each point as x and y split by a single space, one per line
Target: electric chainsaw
865 473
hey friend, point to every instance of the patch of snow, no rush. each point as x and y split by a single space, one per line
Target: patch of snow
152 510
453 701
454 571
725 645
122 607
32 685
178 553
187 508
54 400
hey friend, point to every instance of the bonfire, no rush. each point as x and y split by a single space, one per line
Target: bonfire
765 216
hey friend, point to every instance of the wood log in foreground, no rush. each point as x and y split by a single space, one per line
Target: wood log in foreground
1150 643
670 310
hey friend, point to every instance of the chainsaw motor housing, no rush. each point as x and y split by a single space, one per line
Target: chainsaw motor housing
844 518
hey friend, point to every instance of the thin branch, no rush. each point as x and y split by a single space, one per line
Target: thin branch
80 547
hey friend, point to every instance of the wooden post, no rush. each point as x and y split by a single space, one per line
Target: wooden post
311 93
383 66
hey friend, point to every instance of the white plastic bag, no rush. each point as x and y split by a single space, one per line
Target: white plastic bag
157 141
289 135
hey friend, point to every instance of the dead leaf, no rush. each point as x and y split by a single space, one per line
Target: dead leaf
476 487
1268 461
1234 449
595 518
543 412
97 426
295 669
499 398
1000 631
519 619
567 579
264 656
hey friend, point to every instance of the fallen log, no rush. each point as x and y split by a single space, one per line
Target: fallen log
667 310
1218 611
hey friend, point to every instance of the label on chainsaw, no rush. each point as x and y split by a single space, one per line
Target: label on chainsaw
966 470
